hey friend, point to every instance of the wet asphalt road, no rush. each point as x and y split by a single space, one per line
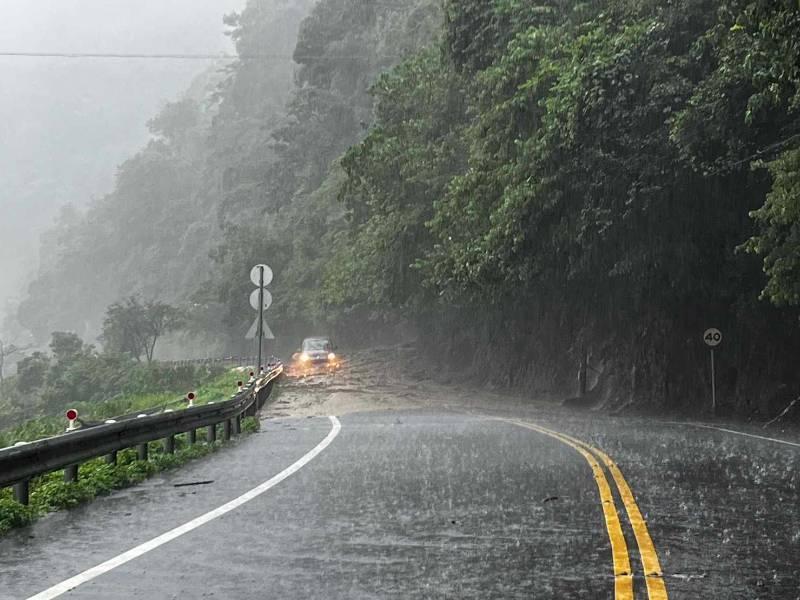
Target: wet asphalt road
437 504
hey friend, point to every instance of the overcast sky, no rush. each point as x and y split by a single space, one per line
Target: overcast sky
66 123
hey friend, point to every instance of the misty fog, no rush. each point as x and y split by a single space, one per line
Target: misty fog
67 123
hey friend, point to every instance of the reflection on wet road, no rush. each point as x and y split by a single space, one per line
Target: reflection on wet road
453 495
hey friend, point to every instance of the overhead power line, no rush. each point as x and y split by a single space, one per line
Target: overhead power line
272 57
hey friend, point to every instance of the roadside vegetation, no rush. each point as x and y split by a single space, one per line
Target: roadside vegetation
210 385
50 492
99 385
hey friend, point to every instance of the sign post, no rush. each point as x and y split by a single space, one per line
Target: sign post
260 313
260 299
713 338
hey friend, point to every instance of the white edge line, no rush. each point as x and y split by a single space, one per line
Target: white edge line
751 435
141 549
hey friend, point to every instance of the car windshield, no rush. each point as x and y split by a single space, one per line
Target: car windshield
316 345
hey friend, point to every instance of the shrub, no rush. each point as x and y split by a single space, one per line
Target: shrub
250 425
13 514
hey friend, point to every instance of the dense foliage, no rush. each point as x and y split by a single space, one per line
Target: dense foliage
523 183
99 385
609 175
134 327
50 492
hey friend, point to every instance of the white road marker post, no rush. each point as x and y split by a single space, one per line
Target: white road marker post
72 416
713 338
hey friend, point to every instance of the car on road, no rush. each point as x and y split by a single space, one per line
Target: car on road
316 354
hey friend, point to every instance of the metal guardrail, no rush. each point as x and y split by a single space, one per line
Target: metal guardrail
19 464
223 360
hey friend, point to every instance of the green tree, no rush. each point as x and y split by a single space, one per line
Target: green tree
32 372
7 351
745 113
779 238
393 180
133 327
67 347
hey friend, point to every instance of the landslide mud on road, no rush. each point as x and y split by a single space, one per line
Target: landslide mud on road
388 378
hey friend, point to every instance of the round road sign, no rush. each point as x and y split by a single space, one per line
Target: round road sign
255 275
72 414
254 299
712 337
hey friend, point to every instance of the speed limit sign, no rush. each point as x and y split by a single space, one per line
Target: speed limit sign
712 337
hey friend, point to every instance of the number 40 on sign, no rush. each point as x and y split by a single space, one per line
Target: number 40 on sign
713 338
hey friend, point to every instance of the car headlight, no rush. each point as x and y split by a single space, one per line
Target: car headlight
331 356
304 357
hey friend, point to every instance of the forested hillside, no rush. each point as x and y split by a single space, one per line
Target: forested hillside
237 173
520 183
567 178
153 234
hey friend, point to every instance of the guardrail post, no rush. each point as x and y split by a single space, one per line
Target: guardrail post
141 451
22 492
169 444
71 474
111 458
211 434
227 428
192 434
237 425
263 394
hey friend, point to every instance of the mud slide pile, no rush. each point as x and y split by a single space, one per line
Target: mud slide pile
384 378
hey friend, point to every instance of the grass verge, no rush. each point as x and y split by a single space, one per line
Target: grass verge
218 387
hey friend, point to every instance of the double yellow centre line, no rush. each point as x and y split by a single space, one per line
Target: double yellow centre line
623 576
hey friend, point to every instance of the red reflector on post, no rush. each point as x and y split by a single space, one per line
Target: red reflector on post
72 414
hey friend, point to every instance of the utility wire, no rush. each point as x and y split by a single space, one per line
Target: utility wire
769 149
268 57
758 155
